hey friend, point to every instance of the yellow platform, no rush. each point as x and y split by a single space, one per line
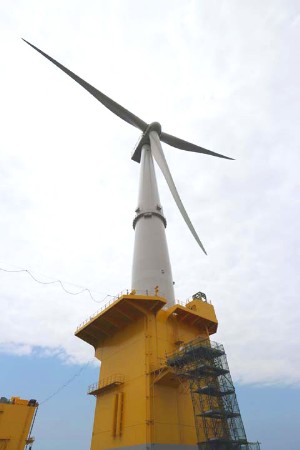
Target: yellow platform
16 416
139 401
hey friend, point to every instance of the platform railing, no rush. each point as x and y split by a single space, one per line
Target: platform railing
115 298
108 381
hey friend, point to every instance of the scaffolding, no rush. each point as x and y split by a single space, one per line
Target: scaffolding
218 421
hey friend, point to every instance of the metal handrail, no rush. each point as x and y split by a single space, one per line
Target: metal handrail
114 299
116 378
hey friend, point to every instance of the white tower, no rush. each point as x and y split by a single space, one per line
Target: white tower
151 268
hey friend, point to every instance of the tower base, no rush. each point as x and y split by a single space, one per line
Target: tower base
140 402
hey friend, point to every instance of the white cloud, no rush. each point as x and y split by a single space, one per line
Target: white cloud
221 74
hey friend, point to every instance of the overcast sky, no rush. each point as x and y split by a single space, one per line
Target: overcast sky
222 74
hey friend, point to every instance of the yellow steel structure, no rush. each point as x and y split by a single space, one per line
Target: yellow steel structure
139 401
16 416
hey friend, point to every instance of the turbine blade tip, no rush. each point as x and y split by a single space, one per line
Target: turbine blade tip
26 42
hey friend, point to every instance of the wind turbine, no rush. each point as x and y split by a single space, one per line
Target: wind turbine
151 262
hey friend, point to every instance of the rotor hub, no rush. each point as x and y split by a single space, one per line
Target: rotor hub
144 139
154 126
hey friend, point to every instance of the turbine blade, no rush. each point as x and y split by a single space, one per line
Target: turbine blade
184 145
106 101
159 157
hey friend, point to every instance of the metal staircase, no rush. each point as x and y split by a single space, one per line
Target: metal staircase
219 424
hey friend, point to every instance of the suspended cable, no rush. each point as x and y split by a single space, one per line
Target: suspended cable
63 386
59 282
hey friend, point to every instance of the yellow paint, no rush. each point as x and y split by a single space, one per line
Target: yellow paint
15 422
131 339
